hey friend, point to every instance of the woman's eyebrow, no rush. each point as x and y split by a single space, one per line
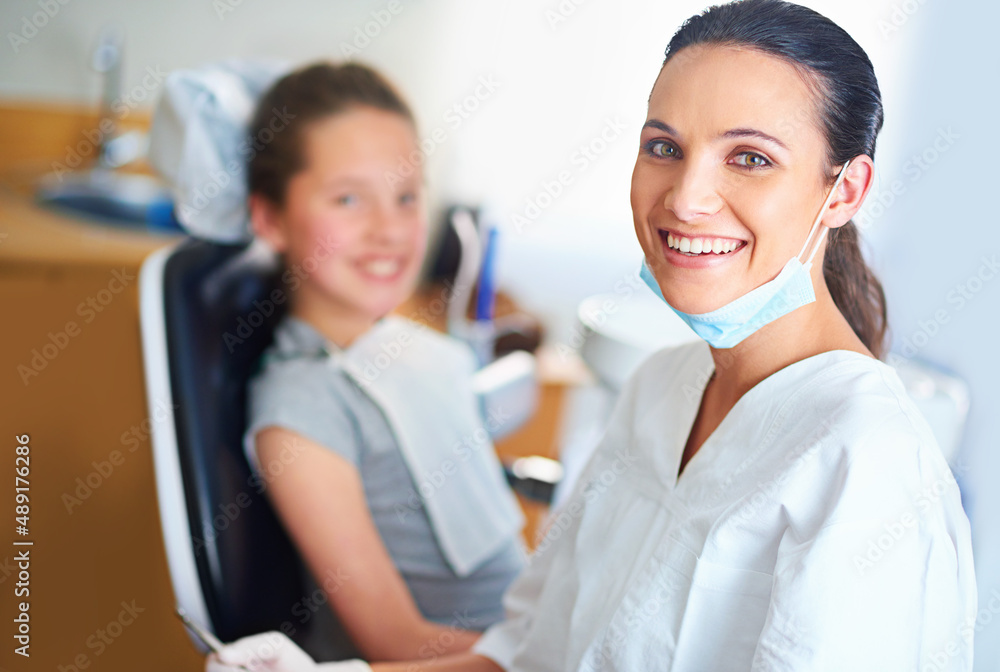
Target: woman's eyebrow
659 125
731 133
752 133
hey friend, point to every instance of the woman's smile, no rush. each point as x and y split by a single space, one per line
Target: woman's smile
698 251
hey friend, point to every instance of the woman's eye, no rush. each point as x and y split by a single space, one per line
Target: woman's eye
408 198
751 160
661 149
346 199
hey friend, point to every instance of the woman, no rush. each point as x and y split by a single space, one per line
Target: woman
770 499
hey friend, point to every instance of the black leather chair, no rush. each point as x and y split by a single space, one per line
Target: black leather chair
208 312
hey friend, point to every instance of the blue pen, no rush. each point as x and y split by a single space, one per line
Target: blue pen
486 297
481 332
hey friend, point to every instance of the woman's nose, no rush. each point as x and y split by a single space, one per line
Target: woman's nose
692 192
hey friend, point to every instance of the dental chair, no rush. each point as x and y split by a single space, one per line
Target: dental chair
232 567
208 311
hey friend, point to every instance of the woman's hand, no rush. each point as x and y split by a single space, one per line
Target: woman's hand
273 652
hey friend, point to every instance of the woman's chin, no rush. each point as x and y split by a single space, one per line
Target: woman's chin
692 306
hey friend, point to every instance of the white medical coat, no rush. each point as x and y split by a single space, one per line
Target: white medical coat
818 528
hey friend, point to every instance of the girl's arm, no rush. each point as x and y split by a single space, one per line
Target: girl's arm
319 497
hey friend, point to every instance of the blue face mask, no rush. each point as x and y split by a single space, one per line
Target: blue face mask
792 288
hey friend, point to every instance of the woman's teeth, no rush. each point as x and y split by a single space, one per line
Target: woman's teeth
702 245
382 268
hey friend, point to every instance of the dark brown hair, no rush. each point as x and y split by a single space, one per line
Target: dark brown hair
850 107
307 95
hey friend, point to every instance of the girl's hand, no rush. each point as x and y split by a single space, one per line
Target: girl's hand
273 652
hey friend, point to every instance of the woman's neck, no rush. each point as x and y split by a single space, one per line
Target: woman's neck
807 331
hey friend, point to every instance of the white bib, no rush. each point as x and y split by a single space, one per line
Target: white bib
422 382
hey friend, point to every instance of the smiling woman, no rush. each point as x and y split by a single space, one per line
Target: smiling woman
758 500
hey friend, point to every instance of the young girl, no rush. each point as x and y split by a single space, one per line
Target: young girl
362 423
796 513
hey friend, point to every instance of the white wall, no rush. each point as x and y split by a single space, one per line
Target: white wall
935 242
565 74
559 84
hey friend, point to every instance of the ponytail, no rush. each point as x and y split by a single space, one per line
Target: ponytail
854 288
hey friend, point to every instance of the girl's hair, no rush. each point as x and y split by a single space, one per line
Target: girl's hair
850 108
298 99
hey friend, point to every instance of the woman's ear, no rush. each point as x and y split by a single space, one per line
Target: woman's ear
267 223
852 192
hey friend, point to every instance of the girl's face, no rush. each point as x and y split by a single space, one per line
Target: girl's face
730 176
353 227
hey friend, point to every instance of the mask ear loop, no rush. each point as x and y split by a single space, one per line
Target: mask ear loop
826 204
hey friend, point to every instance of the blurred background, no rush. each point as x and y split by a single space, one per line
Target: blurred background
522 92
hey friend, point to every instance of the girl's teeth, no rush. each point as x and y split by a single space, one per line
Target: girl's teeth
383 268
701 245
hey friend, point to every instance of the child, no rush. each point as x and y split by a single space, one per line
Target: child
360 423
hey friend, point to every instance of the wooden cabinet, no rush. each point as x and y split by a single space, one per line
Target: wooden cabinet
71 372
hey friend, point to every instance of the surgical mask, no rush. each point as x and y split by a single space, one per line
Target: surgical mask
727 326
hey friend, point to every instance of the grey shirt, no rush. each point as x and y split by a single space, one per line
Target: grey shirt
298 390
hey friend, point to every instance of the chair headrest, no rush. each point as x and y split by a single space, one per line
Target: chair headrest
199 143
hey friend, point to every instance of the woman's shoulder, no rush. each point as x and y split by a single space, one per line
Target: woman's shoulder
663 385
689 365
871 452
863 401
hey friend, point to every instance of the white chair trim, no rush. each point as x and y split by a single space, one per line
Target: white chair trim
174 521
